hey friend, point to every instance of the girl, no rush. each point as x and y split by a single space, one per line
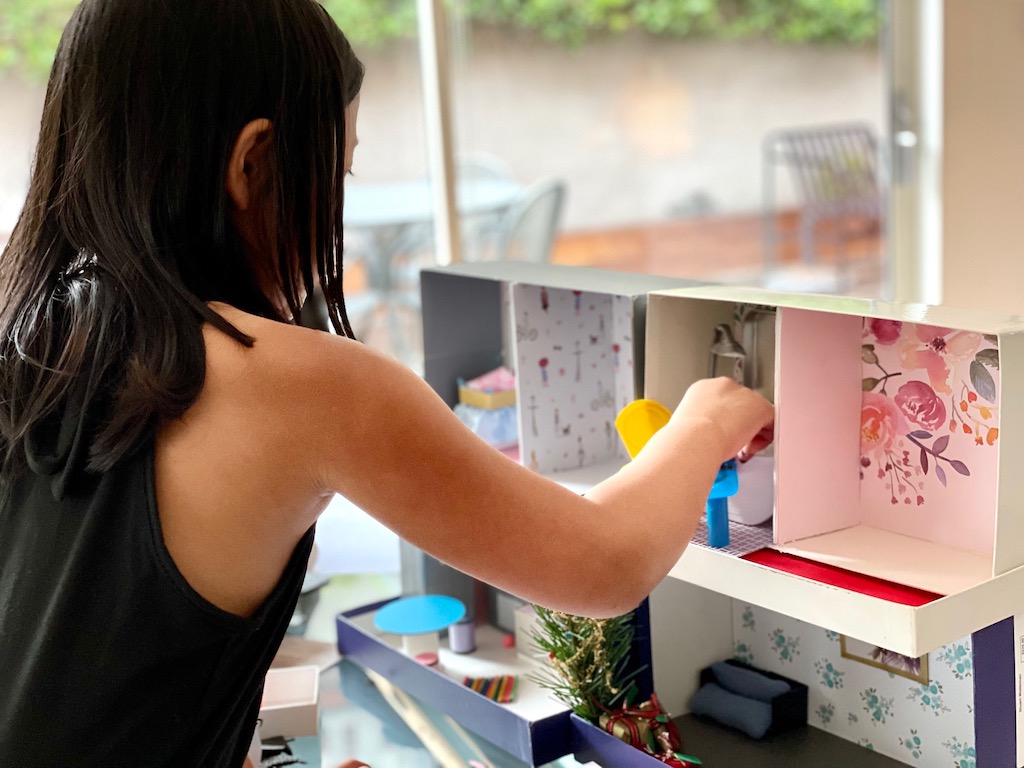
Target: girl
169 435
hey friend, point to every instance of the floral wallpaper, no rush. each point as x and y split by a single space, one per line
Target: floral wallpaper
929 431
922 724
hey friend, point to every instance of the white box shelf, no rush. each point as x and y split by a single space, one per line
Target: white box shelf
574 337
893 449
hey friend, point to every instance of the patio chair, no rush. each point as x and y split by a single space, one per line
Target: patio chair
528 228
481 165
478 231
834 173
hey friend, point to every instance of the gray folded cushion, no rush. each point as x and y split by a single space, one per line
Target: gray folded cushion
747 682
747 715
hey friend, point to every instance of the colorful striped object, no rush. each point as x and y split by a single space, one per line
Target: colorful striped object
500 689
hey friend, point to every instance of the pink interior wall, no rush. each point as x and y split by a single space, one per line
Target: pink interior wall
818 401
858 400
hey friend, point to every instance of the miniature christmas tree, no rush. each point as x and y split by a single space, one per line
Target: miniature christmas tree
588 660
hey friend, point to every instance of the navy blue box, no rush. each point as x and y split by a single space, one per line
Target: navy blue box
533 740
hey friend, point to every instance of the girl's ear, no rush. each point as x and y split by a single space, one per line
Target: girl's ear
248 162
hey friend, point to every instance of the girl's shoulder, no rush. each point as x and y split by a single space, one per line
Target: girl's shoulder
289 362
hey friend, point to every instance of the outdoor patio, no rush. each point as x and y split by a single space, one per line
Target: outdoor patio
728 249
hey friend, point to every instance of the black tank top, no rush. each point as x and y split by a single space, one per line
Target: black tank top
107 656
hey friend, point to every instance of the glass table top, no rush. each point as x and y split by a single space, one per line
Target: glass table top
386 728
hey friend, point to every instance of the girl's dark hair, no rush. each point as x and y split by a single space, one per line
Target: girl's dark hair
127 232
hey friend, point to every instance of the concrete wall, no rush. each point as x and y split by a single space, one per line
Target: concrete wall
637 126
21 105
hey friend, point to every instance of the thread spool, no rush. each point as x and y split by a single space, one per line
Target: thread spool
462 636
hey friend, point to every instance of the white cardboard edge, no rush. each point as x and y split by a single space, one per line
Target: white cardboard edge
897 558
295 717
307 675
946 316
900 628
1009 531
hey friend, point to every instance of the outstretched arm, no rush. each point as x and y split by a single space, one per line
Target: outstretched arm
389 443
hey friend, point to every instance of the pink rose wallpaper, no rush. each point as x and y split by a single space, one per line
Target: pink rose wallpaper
921 405
881 423
929 400
886 332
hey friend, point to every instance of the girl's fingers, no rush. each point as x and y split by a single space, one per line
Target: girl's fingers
759 442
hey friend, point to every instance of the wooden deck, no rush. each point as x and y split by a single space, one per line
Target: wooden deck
724 248
721 248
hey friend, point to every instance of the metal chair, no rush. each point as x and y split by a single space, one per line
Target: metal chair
481 165
478 231
527 230
834 170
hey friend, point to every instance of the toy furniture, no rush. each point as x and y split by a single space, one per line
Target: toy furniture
574 339
418 619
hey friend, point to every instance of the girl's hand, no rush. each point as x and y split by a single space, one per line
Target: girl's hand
745 419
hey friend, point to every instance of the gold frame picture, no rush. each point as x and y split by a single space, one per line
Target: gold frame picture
880 658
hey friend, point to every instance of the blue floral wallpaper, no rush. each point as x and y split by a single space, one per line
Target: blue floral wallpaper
922 724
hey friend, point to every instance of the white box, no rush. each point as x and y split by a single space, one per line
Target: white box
290 705
573 338
895 457
527 623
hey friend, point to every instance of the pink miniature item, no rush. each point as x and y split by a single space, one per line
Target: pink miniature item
499 380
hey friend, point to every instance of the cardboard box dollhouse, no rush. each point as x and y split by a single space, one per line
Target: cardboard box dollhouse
583 343
898 517
574 338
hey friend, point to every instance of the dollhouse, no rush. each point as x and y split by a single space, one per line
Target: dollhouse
888 515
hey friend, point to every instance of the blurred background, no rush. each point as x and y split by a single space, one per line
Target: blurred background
733 140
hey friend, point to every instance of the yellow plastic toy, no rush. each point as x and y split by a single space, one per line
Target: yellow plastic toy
638 422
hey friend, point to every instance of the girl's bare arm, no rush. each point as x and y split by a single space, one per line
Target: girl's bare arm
374 432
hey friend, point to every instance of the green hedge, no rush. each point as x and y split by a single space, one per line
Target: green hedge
30 29
791 21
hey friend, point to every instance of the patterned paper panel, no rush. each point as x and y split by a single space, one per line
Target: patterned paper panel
622 355
929 433
867 695
574 367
